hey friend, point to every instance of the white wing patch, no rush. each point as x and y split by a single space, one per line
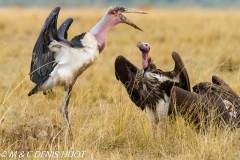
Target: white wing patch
229 106
162 78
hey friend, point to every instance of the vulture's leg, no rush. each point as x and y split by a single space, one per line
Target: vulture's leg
162 113
153 118
65 102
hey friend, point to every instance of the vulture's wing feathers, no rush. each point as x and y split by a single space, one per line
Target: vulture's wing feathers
185 101
42 58
62 30
218 81
180 70
216 93
126 72
227 103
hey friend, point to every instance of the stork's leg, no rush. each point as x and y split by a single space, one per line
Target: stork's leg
153 118
65 102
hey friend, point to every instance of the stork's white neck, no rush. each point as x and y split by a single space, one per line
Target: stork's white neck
101 28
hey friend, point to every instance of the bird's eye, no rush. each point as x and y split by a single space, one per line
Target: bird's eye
146 45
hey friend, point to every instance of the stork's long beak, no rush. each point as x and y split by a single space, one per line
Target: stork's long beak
128 10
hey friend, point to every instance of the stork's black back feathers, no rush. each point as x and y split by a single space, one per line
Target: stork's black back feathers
62 34
147 86
76 41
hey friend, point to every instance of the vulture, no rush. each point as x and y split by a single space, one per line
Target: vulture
149 88
57 61
209 104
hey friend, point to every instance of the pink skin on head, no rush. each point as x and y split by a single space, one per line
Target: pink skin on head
144 60
145 49
100 30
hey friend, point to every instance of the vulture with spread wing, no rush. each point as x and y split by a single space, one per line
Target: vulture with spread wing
149 88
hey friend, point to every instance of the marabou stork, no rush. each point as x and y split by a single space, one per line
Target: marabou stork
149 88
209 104
59 62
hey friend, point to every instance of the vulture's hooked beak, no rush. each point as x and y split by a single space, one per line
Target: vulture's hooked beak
143 46
124 19
139 44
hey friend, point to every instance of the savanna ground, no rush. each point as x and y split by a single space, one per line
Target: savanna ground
105 122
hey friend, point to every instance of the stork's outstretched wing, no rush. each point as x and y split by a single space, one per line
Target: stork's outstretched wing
42 59
62 34
126 72
180 70
43 63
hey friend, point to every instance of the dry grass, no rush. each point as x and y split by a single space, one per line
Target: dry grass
105 122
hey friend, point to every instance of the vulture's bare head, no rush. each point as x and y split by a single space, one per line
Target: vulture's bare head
144 47
115 14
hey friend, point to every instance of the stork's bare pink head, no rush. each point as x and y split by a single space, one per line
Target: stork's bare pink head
112 18
116 12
